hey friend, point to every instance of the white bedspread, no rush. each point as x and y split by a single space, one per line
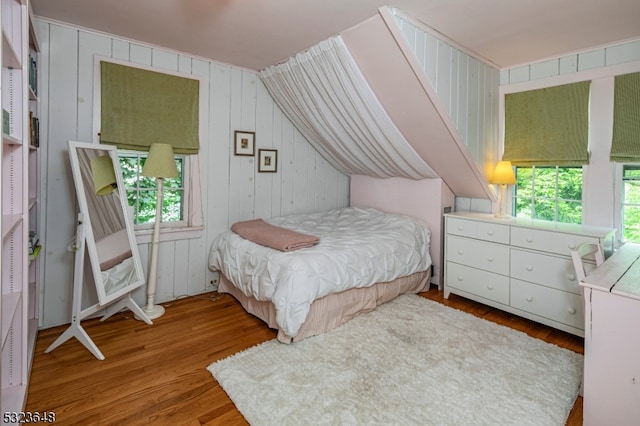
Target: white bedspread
358 248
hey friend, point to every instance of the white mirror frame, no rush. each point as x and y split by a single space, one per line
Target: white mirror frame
104 298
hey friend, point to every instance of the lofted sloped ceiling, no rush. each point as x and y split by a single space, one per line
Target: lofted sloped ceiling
256 34
325 92
403 88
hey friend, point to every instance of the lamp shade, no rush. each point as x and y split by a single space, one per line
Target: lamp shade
503 174
104 175
160 162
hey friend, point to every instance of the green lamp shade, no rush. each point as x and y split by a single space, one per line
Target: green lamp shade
160 162
104 176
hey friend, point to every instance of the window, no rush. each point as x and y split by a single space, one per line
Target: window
182 215
631 203
549 193
141 192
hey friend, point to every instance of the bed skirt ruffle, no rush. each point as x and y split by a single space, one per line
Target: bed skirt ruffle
333 310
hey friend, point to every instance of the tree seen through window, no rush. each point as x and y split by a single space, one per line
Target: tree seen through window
549 193
141 190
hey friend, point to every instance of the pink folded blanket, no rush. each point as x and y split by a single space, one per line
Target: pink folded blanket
266 234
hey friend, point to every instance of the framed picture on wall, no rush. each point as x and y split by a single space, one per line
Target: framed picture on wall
268 160
244 143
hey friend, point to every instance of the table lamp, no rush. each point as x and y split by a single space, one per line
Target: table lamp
503 175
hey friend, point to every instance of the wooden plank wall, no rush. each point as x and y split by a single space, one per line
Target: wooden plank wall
472 91
593 61
232 189
467 85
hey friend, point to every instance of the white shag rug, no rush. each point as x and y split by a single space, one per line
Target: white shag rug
412 361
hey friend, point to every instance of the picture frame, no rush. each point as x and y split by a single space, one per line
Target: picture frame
244 143
268 160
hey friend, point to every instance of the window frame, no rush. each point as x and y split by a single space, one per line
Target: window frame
620 195
192 226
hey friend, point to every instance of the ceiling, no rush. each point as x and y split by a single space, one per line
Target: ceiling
255 34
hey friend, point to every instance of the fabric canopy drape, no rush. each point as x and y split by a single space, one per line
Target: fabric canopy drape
548 127
324 94
625 147
140 107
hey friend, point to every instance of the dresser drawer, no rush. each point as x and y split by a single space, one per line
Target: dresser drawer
548 241
475 281
487 231
548 270
560 306
478 254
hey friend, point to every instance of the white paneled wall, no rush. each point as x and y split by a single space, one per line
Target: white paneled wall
232 189
591 60
467 87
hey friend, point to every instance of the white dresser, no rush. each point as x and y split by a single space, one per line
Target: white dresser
612 341
521 266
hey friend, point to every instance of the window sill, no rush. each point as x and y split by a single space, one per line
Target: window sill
144 236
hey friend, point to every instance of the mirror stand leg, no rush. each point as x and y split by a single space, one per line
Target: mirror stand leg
127 302
76 330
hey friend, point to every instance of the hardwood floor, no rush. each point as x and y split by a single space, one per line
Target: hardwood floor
157 374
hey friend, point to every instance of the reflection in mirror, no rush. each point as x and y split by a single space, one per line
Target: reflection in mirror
107 217
105 232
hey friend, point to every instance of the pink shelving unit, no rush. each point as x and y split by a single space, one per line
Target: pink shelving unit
19 270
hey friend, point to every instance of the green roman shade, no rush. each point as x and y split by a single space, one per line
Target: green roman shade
140 107
548 127
625 147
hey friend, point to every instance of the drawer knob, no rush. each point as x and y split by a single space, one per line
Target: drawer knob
529 299
460 228
490 259
571 310
459 277
571 277
529 239
489 233
529 268
460 252
489 287
572 246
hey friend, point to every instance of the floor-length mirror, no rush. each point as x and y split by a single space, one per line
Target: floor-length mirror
105 233
110 238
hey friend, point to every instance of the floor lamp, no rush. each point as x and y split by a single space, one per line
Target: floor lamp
503 175
160 164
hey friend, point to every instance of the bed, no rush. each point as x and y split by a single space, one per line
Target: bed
363 258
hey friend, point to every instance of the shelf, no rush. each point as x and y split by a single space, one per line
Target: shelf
34 42
32 95
10 302
10 59
9 223
13 398
10 140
